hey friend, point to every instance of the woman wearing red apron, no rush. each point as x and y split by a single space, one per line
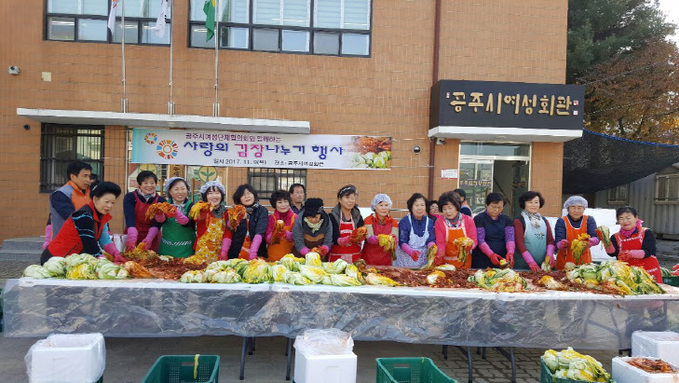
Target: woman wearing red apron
135 205
379 223
569 227
451 226
279 240
634 244
346 218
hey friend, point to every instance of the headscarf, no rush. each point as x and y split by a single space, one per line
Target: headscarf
574 201
209 184
170 182
380 198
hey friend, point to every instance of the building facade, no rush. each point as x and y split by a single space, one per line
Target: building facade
333 67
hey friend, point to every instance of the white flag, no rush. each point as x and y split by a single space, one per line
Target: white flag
160 22
112 15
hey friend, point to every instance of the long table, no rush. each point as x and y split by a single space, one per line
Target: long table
157 308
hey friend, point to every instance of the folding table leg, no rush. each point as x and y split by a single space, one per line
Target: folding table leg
288 353
242 358
444 350
470 361
510 356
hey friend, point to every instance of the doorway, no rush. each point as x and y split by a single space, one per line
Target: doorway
492 167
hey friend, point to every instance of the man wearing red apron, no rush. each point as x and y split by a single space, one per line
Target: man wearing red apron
635 244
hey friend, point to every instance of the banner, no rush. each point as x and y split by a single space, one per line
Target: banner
260 150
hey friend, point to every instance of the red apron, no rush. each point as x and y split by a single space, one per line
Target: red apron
276 251
634 242
351 253
452 253
565 255
141 223
373 254
247 242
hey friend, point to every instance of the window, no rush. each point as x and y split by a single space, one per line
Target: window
266 181
324 27
667 188
87 21
618 194
63 144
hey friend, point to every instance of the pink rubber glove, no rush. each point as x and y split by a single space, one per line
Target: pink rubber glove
149 237
530 261
131 241
160 218
344 241
430 244
610 249
224 252
485 249
552 262
510 258
414 254
304 251
495 259
288 236
562 243
511 247
550 250
111 249
181 218
636 254
48 236
593 241
373 240
256 242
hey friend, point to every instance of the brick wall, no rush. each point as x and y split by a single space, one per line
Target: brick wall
547 175
386 94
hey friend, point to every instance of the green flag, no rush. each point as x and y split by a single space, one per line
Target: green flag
209 9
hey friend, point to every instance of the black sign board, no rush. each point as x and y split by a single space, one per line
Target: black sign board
507 104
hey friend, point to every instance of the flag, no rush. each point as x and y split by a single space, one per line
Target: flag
112 15
160 22
209 9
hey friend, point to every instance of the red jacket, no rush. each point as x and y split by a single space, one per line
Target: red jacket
80 233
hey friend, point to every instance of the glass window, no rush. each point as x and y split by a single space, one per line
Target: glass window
618 195
131 33
60 28
266 181
326 43
91 18
355 44
356 14
296 41
149 36
493 149
265 39
92 29
667 188
63 144
339 27
234 38
328 13
198 35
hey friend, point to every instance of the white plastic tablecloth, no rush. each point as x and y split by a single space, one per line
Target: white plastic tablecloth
157 308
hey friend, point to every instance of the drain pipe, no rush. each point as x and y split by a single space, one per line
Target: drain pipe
434 80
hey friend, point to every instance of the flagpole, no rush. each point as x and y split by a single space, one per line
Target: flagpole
170 105
215 105
124 104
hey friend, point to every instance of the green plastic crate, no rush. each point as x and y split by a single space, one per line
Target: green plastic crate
672 281
179 369
409 370
547 377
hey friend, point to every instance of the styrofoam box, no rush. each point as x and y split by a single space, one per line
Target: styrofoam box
657 344
624 372
67 358
325 368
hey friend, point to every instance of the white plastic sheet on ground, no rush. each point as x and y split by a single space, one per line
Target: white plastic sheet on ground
147 308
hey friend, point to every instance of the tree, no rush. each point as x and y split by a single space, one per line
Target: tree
635 94
618 49
598 30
